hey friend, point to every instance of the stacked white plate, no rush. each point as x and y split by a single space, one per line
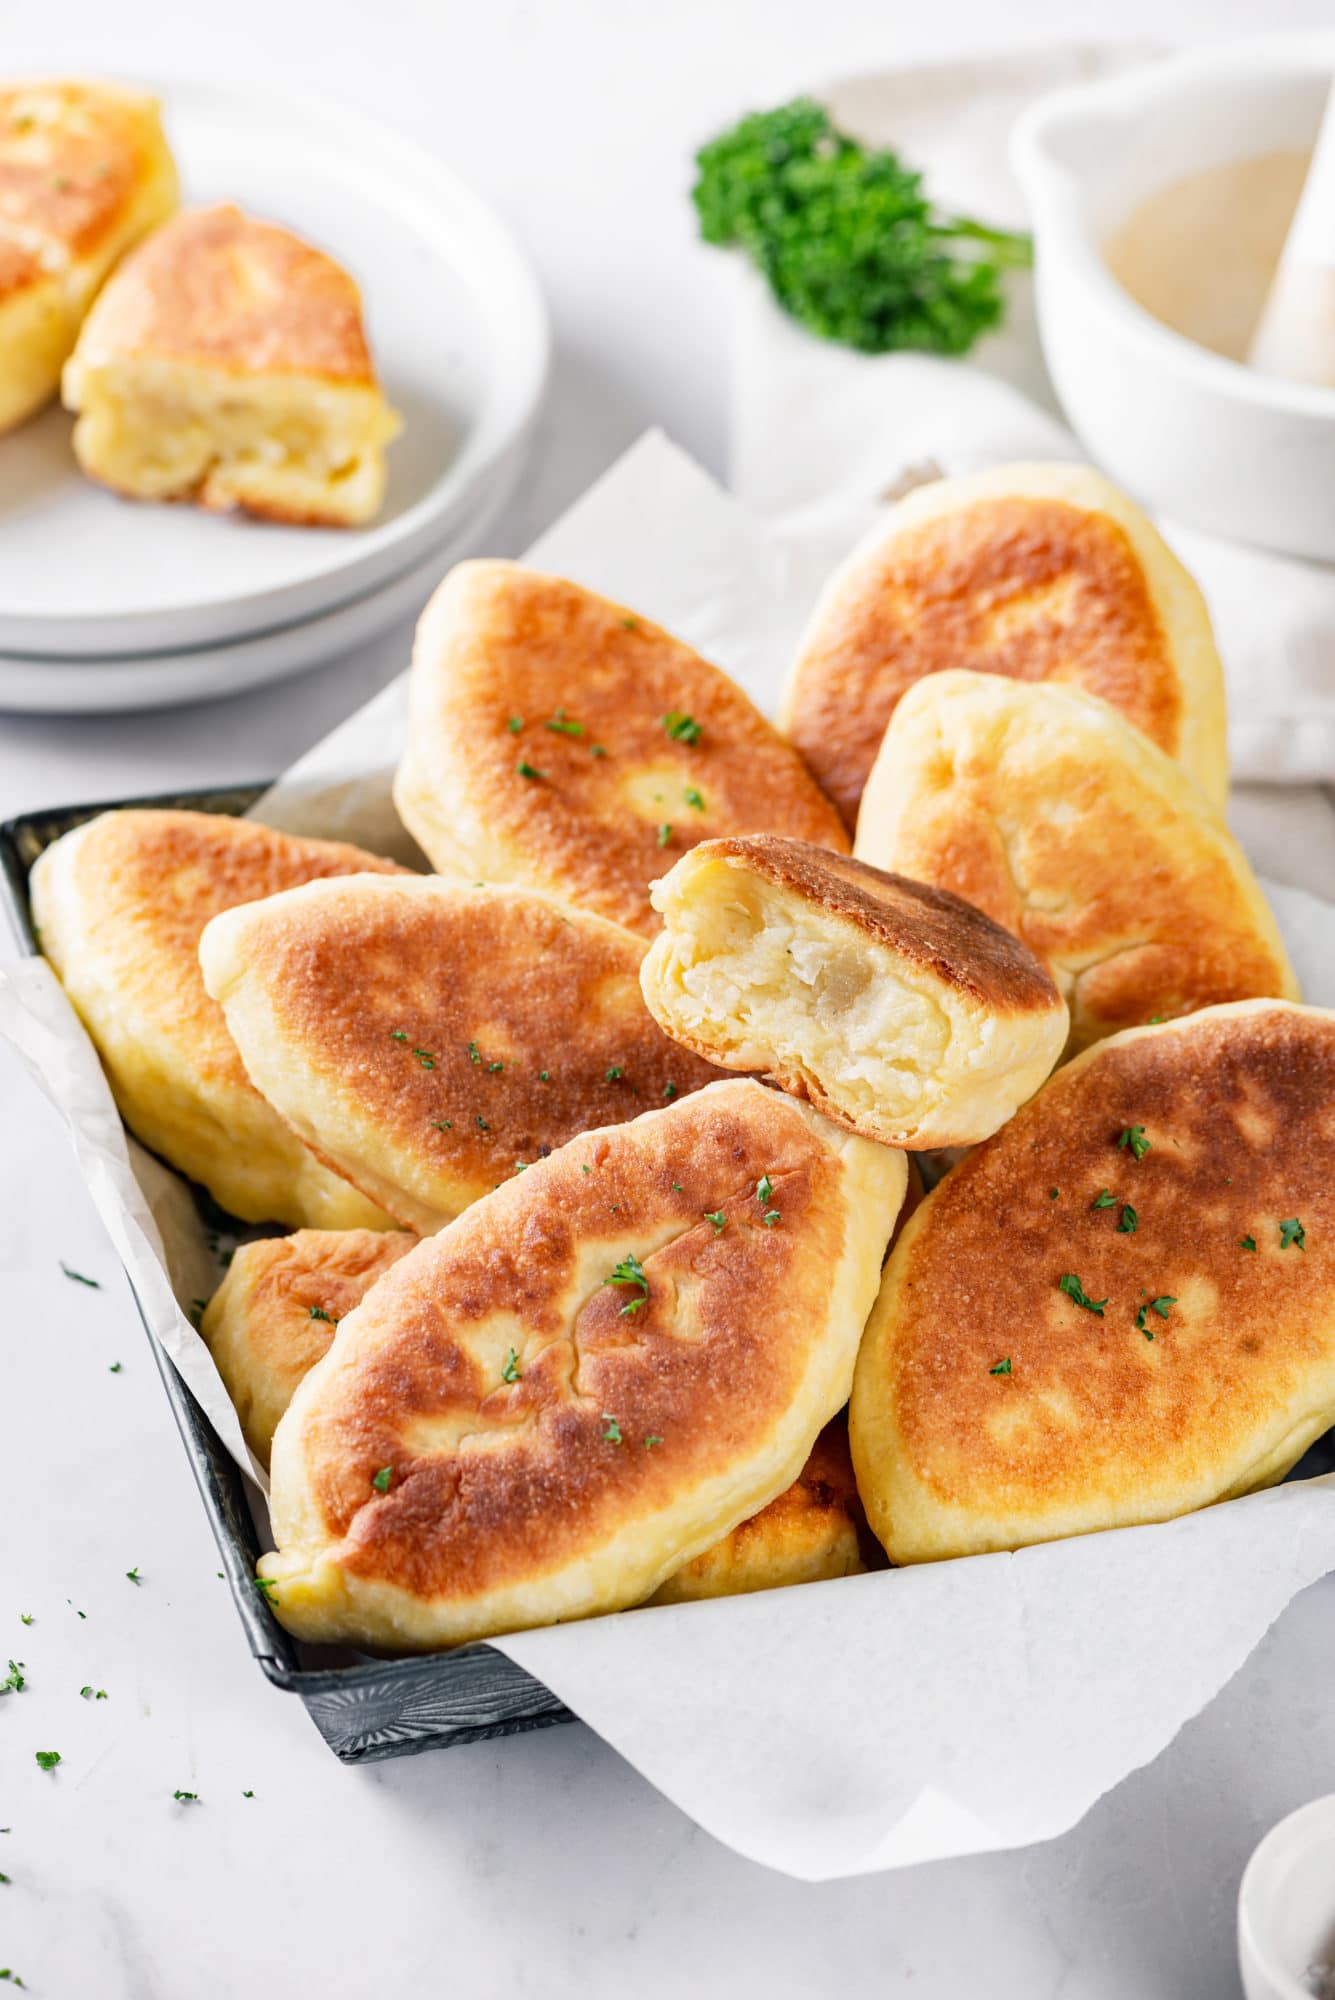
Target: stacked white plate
111 604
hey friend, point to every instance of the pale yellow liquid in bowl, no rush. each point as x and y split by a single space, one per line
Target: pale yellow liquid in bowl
1200 253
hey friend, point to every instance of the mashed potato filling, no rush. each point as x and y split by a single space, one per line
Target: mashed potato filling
786 990
287 445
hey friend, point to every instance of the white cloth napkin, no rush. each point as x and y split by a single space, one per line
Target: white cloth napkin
820 435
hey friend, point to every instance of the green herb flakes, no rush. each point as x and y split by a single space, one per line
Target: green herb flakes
78 1278
681 728
612 1435
1132 1139
1002 1367
664 834
561 725
515 724
1291 1232
1247 1242
630 1271
1104 1200
1128 1221
382 1479
694 799
511 1371
1075 1291
717 1217
318 1312
47 1759
669 1091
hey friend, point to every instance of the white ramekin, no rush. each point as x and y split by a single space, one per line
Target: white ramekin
1286 1905
1199 437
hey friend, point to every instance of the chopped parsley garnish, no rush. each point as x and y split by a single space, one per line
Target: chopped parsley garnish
247 1795
524 769
1002 1367
115 1368
443 1124
84 1691
1132 1139
770 1217
93 1284
630 1271
515 724
266 1587
1075 1291
1053 1193
664 833
13 1681
482 1124
1160 1306
1292 1231
716 1216
681 728
694 799
561 725
425 1057
187 1798
47 1759
318 1312
397 1035
764 1189
614 1072
597 750
544 1076
473 1053
669 1091
1247 1242
612 1435
382 1479
651 1440
25 1618
1128 1220
511 1371
1104 1200
493 1067
133 1575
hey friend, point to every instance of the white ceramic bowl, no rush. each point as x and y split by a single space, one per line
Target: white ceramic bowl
1286 1905
1187 431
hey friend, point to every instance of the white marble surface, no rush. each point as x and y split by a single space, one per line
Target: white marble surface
538 1866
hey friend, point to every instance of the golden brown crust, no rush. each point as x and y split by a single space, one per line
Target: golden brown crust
74 160
1021 584
278 1308
991 1410
553 1447
814 1531
21 270
1044 809
217 288
122 901
500 642
426 1088
931 928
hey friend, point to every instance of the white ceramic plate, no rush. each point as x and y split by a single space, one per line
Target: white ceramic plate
459 332
39 686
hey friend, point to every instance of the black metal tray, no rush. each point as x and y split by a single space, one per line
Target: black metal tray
368 1709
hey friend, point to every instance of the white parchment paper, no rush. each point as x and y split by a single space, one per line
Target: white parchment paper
836 1728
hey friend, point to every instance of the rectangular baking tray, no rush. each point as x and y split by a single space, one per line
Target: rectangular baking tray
364 1709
